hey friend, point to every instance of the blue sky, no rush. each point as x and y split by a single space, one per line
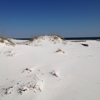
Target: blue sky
68 18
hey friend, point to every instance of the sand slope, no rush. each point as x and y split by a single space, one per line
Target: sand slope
50 70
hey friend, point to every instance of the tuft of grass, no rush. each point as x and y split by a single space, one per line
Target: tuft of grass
56 37
10 42
21 90
54 73
34 38
3 39
59 50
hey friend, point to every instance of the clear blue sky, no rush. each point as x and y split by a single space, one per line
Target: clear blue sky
68 18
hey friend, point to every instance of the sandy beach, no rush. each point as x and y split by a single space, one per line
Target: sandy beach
49 68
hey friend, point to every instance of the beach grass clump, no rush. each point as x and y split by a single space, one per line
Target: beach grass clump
52 37
59 50
34 38
37 40
10 42
7 41
54 73
2 39
56 37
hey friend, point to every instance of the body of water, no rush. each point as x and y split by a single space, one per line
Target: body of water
69 38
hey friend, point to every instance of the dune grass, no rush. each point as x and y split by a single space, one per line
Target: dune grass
9 42
55 37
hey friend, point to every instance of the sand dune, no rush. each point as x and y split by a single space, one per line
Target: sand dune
49 68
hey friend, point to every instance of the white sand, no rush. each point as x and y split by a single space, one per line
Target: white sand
46 70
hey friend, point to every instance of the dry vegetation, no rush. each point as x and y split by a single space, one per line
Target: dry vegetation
56 37
54 73
7 41
2 39
59 50
21 88
53 36
34 38
27 69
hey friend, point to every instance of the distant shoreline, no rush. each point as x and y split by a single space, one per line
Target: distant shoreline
69 38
